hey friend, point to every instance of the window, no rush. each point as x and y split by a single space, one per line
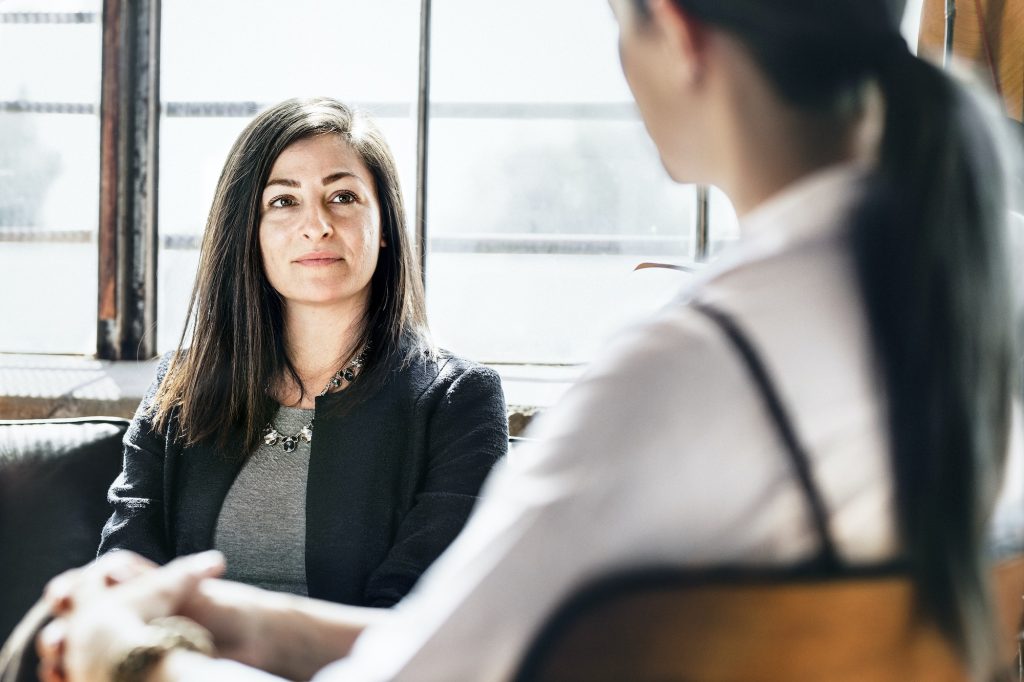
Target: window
543 192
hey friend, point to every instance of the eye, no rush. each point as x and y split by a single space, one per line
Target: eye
345 197
281 202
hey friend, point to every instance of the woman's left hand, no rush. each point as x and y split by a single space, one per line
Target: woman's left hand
106 571
103 625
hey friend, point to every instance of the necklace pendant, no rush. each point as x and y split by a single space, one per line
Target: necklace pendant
270 435
306 433
348 374
290 443
335 381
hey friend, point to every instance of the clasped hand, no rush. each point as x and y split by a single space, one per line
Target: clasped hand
101 611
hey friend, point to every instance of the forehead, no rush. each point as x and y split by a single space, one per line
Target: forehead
318 157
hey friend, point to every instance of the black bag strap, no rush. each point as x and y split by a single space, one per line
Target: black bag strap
828 556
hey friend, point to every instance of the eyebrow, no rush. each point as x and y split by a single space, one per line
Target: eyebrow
333 177
282 181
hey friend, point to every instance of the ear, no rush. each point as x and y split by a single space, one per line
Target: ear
686 37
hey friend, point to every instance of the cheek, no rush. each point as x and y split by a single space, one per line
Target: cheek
268 247
371 247
372 234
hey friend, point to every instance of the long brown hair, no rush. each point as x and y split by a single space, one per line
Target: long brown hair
220 383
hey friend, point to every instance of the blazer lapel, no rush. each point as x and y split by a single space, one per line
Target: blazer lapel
205 475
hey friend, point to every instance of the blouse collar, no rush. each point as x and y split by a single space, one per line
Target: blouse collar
814 207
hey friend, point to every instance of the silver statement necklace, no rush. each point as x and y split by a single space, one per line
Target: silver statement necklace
289 443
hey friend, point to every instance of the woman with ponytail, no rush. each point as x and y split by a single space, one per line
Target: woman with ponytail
838 392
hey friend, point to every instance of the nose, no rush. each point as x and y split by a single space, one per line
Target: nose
316 223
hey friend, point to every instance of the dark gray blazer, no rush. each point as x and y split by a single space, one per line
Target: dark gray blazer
391 481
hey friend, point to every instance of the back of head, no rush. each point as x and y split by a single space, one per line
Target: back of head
929 248
811 51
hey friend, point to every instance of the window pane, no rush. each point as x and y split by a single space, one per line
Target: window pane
540 308
50 6
57 55
571 177
544 190
214 76
267 50
50 169
526 51
49 176
49 300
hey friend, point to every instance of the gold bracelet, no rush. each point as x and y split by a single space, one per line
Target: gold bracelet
165 635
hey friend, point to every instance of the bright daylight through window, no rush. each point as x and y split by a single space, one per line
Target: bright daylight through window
542 189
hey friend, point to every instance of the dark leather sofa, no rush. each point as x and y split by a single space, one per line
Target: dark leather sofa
54 476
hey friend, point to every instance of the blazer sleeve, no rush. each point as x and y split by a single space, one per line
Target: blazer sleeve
137 494
467 434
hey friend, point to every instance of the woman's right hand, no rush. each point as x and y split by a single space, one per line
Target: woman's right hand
283 634
232 613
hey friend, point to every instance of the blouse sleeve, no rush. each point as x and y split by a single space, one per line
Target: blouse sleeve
466 435
136 495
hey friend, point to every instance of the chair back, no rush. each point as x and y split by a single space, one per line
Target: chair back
666 626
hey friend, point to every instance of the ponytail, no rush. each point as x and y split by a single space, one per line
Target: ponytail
929 248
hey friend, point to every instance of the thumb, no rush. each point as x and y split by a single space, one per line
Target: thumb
195 567
162 592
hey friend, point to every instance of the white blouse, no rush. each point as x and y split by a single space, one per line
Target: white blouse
663 454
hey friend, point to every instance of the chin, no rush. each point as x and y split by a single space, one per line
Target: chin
314 298
681 176
337 297
678 171
687 175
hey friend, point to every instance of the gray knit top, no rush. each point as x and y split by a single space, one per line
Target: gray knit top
261 528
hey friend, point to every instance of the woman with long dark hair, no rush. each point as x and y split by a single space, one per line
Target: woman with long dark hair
306 426
837 392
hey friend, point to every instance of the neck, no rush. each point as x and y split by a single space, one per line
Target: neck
320 339
765 143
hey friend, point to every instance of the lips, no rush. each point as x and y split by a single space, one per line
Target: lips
318 259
